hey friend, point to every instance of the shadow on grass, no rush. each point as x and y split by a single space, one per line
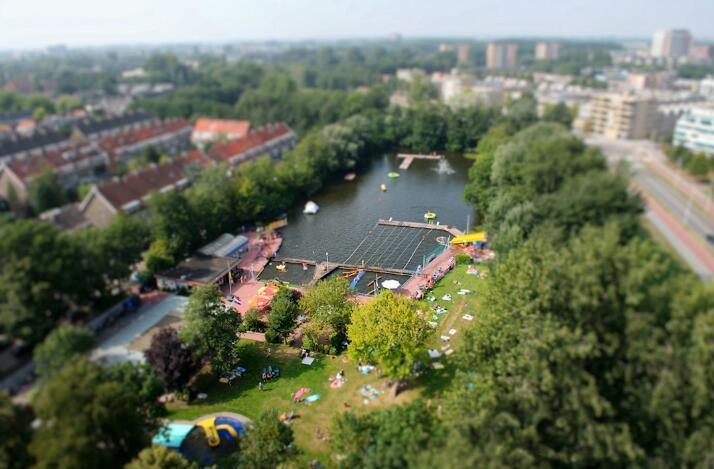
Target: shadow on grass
434 381
244 393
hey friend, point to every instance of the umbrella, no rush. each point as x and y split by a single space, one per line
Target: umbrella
390 284
301 392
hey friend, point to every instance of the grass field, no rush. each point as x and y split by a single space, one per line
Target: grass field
314 420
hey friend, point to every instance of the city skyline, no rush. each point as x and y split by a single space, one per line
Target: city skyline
81 23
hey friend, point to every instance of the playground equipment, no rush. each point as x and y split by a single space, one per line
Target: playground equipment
476 237
217 428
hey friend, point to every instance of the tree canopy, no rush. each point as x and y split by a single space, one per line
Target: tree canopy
388 331
63 346
211 328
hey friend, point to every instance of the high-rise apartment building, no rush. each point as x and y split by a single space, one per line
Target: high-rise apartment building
620 116
500 56
671 44
547 51
462 53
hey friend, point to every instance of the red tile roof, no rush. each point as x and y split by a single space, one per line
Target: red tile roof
256 138
54 161
135 186
114 142
233 128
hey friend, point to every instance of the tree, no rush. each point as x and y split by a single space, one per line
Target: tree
393 438
88 420
160 457
172 360
45 192
119 245
329 312
43 276
158 257
268 443
140 380
15 427
63 346
211 328
67 103
252 321
559 113
173 221
388 331
283 313
38 114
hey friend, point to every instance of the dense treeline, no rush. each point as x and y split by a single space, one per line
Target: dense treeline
591 348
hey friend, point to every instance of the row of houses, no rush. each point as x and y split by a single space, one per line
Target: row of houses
128 194
45 138
92 153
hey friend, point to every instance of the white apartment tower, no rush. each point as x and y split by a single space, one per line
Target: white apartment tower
671 44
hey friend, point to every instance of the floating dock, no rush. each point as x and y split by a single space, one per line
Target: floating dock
408 158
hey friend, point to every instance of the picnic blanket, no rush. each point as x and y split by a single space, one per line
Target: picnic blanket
370 392
468 317
433 353
365 369
312 398
308 360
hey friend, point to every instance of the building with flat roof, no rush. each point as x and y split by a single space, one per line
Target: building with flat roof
695 129
671 44
619 116
501 56
547 51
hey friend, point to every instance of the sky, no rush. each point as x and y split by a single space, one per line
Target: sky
37 23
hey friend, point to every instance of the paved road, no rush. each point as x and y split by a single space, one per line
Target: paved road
115 348
678 207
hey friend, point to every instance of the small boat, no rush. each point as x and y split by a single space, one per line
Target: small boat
350 176
311 208
281 267
393 175
429 215
383 187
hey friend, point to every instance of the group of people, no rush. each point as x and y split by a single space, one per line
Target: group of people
430 280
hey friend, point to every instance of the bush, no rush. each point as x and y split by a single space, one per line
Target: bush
462 259
252 322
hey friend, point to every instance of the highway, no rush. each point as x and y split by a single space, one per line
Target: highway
680 209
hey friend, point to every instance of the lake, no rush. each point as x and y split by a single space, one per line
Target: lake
345 227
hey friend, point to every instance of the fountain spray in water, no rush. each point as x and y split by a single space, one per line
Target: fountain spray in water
443 167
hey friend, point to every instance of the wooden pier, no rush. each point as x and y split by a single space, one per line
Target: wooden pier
425 226
409 158
323 269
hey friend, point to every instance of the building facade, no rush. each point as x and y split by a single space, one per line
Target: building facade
501 56
620 116
671 44
547 51
695 130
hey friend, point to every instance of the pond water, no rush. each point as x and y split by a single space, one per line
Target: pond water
346 228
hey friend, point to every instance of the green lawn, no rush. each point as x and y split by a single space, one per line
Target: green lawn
245 398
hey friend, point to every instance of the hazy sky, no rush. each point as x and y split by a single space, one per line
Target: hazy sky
34 23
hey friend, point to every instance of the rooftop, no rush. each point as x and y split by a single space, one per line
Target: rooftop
134 187
255 139
131 137
236 128
93 126
200 268
55 160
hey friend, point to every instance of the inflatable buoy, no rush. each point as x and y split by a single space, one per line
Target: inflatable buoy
393 175
383 187
429 215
